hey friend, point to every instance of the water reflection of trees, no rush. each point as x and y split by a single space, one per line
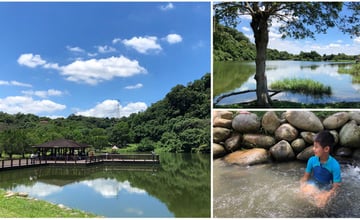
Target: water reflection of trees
182 181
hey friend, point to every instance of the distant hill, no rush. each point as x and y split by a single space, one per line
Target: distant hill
232 45
180 122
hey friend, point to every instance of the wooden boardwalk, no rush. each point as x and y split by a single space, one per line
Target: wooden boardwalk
91 160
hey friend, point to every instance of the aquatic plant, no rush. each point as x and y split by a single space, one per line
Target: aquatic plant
303 86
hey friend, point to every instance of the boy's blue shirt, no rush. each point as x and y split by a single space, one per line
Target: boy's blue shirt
331 173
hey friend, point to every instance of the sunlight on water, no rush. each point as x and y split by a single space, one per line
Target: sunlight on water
272 190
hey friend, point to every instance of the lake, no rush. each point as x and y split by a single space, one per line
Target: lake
273 190
178 187
229 77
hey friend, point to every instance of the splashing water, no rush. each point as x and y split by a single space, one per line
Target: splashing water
273 190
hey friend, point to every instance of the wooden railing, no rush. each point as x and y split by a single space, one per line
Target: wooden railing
136 158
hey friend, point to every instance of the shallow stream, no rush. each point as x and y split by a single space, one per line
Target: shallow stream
272 190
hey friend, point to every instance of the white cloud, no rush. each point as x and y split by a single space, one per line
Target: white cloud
94 71
43 93
112 108
246 29
137 86
30 60
173 38
26 104
143 44
105 49
167 7
75 49
14 83
357 40
116 40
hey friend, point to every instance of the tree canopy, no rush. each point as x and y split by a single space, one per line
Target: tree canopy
180 122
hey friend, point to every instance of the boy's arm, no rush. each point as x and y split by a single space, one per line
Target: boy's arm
305 178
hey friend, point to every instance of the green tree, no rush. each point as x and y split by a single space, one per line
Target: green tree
297 19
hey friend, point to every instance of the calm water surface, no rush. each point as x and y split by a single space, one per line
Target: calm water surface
178 187
272 190
239 76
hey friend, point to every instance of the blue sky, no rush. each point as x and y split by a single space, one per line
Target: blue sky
99 59
333 42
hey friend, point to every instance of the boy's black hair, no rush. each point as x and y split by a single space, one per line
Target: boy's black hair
325 138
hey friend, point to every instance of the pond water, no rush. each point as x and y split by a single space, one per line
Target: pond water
178 187
272 190
232 77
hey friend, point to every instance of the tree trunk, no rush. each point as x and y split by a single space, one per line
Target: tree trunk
259 25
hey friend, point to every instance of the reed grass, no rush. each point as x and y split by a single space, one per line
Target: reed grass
303 86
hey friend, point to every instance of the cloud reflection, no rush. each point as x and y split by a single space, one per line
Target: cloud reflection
111 187
39 189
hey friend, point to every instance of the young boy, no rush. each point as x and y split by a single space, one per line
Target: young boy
322 176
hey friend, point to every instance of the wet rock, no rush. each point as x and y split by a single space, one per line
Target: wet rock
308 136
258 141
282 151
336 120
222 122
218 150
246 122
270 122
286 132
336 136
298 145
356 154
343 152
248 157
350 135
233 142
220 134
304 120
305 154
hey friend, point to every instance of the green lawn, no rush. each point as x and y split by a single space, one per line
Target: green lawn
24 207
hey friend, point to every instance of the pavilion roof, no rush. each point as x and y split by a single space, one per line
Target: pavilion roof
61 143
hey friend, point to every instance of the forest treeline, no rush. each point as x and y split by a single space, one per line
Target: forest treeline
232 45
180 122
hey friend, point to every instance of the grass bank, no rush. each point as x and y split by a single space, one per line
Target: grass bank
24 207
303 86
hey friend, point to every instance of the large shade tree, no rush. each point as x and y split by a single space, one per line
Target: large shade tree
298 20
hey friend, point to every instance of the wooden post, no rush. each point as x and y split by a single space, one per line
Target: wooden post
11 162
2 163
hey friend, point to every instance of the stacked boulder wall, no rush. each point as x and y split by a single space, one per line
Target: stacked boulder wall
218 150
270 122
286 132
305 154
350 135
258 140
233 142
298 145
220 134
304 120
248 157
246 122
282 151
336 120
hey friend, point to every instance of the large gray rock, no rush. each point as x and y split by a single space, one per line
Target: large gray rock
304 120
270 122
246 122
258 141
350 135
286 132
305 154
355 116
282 151
308 136
218 150
248 157
336 120
233 142
220 134
298 145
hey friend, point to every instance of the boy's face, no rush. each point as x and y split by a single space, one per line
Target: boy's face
319 150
